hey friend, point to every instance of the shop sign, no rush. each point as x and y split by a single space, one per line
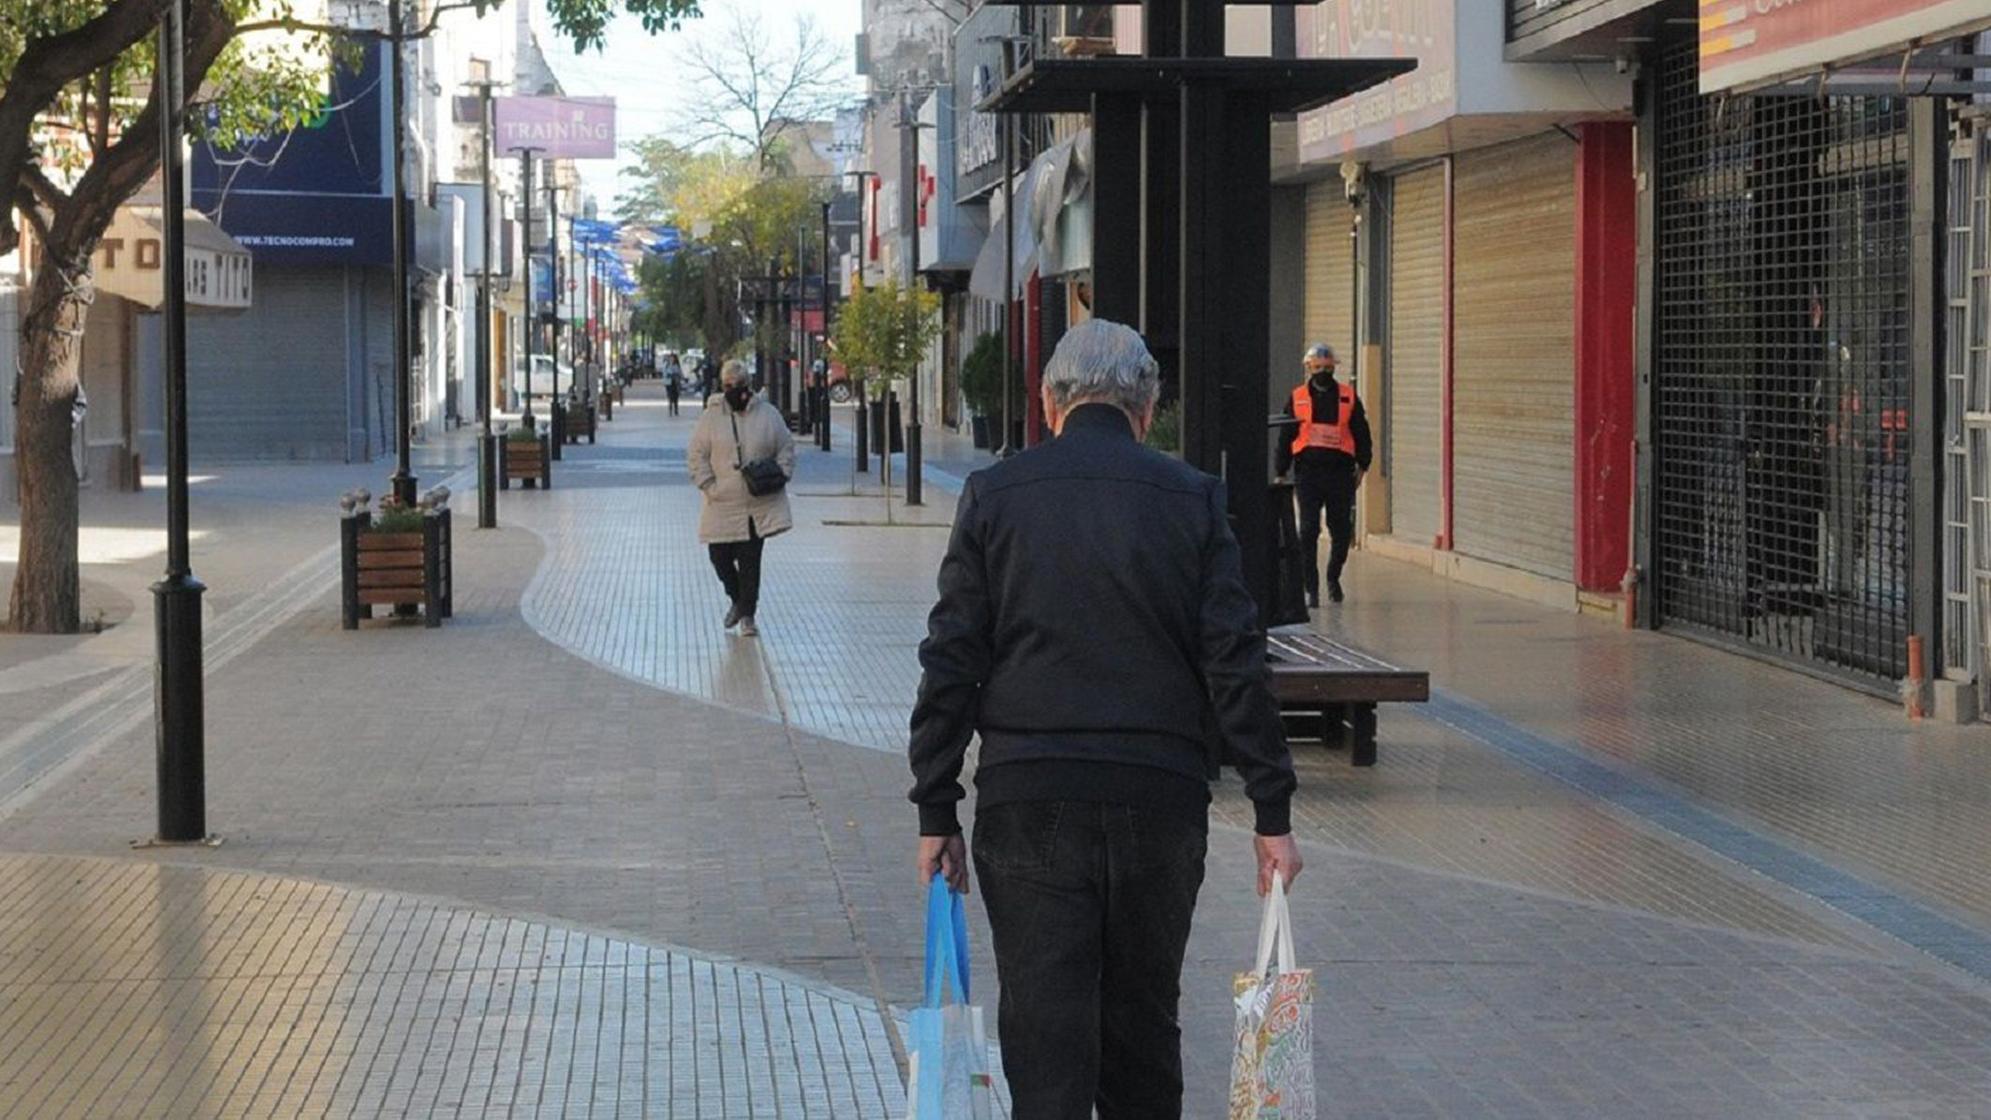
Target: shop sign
1419 29
978 69
557 127
982 143
1749 43
130 262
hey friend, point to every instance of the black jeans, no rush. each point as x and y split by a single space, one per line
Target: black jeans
738 565
671 394
1090 905
1334 493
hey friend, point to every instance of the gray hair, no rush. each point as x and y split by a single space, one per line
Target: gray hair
1103 362
735 372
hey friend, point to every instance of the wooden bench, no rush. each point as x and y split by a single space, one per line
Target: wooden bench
1317 676
527 461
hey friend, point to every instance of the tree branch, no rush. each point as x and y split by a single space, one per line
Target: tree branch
48 64
40 187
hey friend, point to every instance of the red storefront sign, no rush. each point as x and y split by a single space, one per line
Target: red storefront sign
1747 43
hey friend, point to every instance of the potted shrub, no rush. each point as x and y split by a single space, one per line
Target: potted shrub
399 556
528 459
981 385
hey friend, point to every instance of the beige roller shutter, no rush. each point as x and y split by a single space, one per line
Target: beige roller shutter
1415 363
1328 278
1514 364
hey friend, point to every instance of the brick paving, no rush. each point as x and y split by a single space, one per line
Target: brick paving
1491 942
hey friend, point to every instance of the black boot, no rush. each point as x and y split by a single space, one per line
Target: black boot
1334 591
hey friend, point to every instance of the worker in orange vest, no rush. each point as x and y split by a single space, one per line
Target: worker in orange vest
1328 453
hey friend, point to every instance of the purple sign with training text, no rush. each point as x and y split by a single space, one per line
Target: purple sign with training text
557 127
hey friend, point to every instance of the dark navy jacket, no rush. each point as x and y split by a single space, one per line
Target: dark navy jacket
1092 609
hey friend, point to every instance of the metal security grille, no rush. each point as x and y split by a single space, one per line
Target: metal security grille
1781 390
1968 377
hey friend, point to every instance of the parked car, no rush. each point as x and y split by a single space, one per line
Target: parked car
542 377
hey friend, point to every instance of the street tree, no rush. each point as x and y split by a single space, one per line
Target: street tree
884 331
750 88
79 136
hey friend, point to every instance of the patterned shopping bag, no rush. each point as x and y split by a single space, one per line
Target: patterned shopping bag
948 1077
1272 1068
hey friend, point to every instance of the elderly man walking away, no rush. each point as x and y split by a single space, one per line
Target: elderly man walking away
1094 628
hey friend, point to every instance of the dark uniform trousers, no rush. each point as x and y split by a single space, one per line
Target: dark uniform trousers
1326 493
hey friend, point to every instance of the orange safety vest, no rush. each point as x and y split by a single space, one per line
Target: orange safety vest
1331 437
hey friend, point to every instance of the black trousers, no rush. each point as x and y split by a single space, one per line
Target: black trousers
738 565
1090 905
1332 493
671 394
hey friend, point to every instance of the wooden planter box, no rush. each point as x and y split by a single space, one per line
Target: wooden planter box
530 462
401 570
580 422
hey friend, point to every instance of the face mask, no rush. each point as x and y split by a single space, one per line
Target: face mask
738 397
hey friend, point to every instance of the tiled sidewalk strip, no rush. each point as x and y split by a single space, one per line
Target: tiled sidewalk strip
139 989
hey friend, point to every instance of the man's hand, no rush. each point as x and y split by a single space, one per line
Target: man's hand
949 856
1276 853
1361 475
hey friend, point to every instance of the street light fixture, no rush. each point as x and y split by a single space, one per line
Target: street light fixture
179 709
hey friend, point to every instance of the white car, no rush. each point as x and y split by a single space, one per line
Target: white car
542 377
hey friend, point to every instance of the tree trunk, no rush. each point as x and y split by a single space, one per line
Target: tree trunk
46 599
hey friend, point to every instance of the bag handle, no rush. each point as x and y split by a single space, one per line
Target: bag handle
739 455
1275 930
946 943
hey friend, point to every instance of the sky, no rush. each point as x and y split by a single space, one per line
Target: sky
636 69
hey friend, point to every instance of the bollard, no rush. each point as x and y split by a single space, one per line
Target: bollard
488 470
1914 688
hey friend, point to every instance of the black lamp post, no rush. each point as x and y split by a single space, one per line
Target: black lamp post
179 710
404 475
823 390
487 444
863 433
531 309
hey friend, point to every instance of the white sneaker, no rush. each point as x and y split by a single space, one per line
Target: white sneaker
748 629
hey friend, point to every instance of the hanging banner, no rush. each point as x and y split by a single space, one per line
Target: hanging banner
557 127
1749 43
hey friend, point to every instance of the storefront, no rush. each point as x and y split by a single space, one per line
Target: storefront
308 372
1463 281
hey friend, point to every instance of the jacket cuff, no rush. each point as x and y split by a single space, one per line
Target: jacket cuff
1275 818
939 819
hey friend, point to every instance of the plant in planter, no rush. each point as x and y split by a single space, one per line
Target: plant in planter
400 557
981 385
527 459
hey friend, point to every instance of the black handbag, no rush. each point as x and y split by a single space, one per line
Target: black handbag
764 476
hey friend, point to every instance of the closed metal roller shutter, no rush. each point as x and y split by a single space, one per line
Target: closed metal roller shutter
1328 277
1513 358
1417 354
270 382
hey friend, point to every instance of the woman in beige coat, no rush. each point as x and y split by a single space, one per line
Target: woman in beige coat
735 524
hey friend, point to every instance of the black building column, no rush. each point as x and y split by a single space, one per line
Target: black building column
1116 208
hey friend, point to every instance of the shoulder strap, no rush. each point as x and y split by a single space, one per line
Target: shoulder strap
739 453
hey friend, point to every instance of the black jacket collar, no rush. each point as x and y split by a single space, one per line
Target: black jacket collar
1099 419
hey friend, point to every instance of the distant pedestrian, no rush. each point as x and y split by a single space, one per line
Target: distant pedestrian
1328 453
741 431
1095 630
673 383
